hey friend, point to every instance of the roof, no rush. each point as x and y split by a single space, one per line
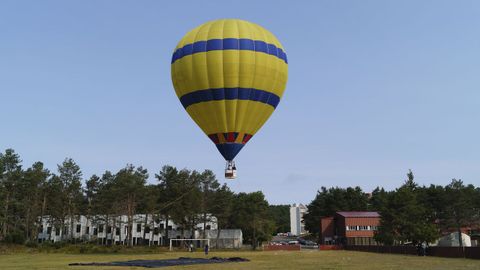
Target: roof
359 214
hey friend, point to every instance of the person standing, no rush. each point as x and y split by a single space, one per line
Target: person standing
206 250
424 248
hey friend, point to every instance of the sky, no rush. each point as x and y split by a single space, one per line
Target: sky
375 88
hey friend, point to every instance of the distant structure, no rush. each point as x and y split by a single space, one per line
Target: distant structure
146 230
349 228
297 226
452 240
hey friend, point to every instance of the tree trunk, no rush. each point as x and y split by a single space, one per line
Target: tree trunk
70 213
204 225
42 213
192 234
460 240
254 236
27 225
218 234
113 231
144 226
166 228
5 216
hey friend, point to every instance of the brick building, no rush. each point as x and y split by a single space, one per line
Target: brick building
349 228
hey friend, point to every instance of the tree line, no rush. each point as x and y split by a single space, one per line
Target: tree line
185 197
409 214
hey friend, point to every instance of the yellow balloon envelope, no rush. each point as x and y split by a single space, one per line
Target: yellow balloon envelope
229 76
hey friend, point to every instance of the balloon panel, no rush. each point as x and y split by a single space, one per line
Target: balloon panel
230 76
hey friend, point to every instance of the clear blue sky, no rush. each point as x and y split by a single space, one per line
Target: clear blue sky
375 88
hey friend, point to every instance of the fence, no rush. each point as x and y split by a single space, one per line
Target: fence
451 252
330 247
281 247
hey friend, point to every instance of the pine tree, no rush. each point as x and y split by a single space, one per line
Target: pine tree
404 219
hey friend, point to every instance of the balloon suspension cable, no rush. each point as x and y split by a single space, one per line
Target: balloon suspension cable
230 170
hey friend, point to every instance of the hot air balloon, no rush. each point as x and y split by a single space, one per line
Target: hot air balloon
229 75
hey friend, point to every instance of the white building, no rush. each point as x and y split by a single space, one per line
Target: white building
146 230
297 226
452 240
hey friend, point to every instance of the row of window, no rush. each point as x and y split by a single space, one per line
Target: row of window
361 228
100 229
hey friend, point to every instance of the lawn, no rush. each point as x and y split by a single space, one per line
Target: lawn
259 260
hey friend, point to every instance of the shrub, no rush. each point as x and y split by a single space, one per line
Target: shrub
15 237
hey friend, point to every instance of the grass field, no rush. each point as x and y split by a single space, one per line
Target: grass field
259 260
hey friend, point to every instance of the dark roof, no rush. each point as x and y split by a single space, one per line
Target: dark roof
358 214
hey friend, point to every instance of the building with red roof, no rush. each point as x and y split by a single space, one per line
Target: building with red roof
349 228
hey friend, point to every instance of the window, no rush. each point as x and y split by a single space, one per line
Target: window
95 231
170 227
109 229
49 230
117 231
79 228
147 229
40 229
100 228
155 230
87 230
208 227
352 228
162 226
139 227
57 231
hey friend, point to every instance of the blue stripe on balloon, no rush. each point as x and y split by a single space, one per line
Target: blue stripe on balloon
229 44
230 94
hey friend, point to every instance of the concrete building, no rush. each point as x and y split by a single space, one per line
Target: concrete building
297 226
146 229
349 228
452 240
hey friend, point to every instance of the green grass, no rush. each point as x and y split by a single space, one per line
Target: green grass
259 260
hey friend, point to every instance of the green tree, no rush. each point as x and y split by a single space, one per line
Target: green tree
55 207
460 207
433 199
10 178
404 219
33 197
167 178
250 213
187 204
378 200
91 198
128 188
105 207
329 201
208 187
70 175
280 214
180 196
222 209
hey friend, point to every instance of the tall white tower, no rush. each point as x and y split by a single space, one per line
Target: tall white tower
297 211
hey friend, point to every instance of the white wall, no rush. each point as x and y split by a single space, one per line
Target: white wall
297 211
95 223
